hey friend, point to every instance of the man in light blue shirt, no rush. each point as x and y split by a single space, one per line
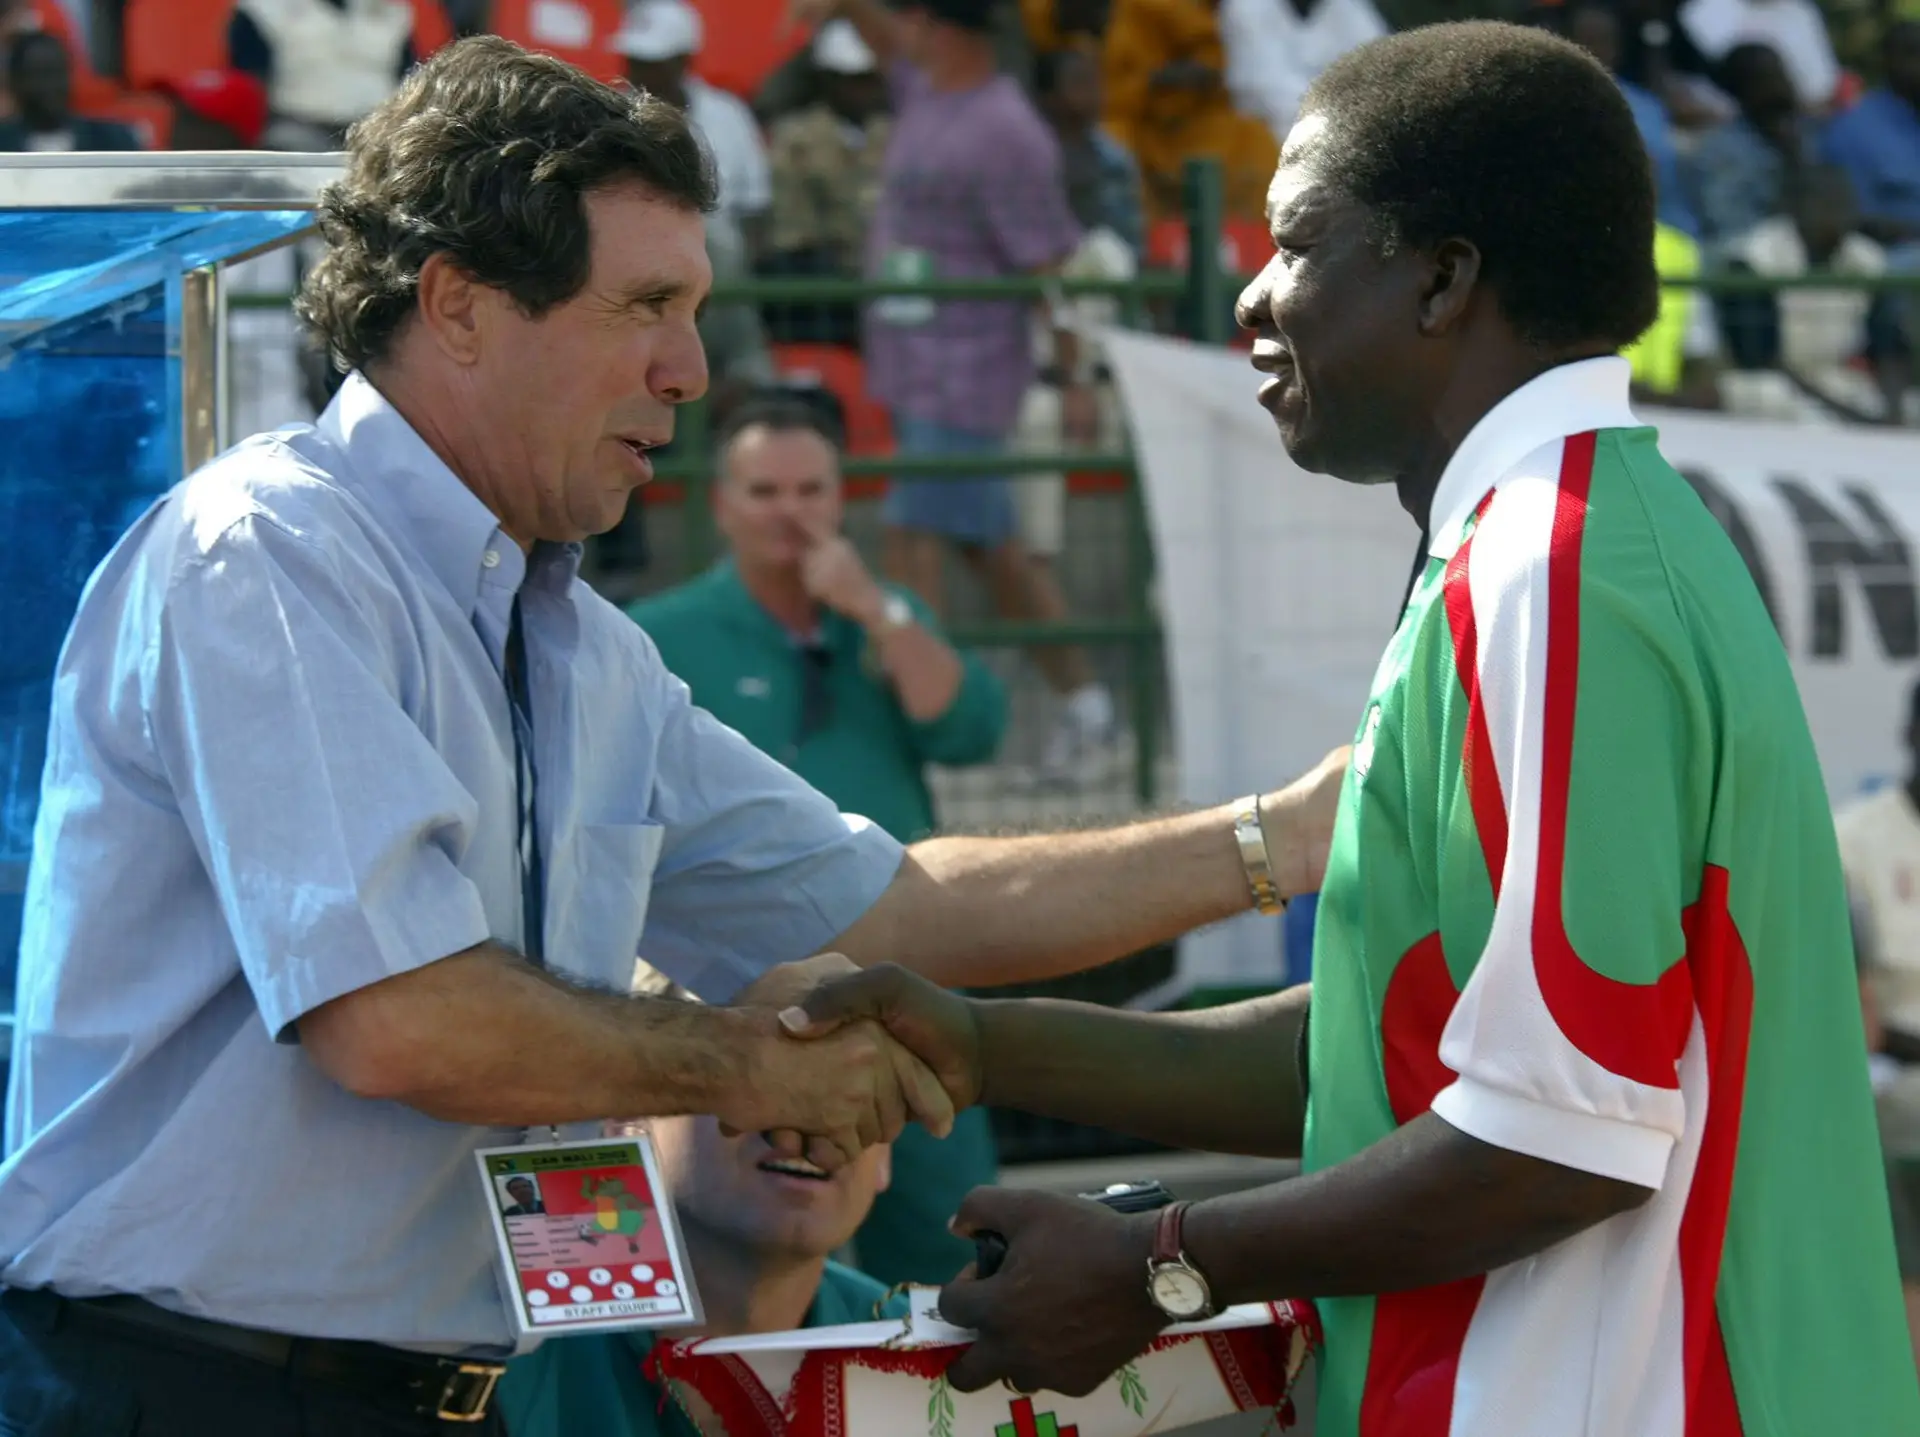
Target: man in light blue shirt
359 807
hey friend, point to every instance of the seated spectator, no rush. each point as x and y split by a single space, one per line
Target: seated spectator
1103 182
1673 362
1739 172
793 642
1167 102
1795 30
1594 25
1877 142
758 1229
1276 48
1658 55
325 63
40 78
1792 352
17 18
659 39
217 110
826 180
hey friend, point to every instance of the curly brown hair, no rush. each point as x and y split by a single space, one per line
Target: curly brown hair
485 154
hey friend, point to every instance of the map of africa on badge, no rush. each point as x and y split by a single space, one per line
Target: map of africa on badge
584 1241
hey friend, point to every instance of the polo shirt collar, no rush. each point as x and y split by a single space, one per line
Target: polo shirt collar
442 519
734 598
1568 399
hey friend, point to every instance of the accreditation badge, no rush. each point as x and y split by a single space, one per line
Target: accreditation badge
587 1237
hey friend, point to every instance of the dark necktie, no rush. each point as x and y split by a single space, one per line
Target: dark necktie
533 885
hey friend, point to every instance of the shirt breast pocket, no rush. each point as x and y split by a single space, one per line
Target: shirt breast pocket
597 901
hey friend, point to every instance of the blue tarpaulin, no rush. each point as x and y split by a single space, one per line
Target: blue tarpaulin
90 435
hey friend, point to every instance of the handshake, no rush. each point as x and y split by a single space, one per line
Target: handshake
841 1059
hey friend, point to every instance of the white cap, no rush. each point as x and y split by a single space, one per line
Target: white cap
839 50
659 30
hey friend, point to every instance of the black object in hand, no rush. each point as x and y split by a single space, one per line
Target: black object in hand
990 1248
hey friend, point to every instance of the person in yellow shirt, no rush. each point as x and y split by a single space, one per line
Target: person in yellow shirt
1672 362
1167 102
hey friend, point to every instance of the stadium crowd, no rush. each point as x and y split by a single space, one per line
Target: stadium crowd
1784 136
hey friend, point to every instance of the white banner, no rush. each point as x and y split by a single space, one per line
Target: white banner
1279 588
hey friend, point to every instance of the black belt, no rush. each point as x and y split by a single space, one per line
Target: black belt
448 1389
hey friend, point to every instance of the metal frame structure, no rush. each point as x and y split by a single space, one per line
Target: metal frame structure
187 183
241 181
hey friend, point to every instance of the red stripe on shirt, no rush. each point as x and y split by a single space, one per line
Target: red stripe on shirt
1636 1030
1414 1361
1478 769
1723 990
1413 1014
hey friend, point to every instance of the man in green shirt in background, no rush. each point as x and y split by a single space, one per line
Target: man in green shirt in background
791 641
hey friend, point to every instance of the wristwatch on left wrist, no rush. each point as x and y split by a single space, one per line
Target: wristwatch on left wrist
895 613
1174 1284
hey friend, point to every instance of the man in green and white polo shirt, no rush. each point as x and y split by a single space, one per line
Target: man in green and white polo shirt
1588 1141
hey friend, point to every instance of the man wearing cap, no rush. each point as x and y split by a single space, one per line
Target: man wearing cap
826 182
826 158
659 39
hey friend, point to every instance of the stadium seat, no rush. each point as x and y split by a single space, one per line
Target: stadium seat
164 39
841 372
1251 245
431 28
1245 245
577 31
746 41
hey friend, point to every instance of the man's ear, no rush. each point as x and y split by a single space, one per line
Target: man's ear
449 304
1451 281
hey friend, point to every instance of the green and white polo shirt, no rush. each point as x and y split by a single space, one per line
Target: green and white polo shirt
1585 903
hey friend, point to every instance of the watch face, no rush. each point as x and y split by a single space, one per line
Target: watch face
1178 1291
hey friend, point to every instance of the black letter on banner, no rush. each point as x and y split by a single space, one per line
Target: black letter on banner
1879 559
1720 504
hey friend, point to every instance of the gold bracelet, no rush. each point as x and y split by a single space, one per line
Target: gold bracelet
1253 855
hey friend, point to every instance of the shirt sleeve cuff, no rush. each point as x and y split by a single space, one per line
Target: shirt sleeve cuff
1584 1141
368 945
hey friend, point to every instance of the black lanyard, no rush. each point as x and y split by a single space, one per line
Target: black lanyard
533 883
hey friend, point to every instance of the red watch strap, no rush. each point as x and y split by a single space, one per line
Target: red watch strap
1166 1233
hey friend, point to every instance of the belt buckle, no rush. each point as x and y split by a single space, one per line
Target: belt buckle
468 1392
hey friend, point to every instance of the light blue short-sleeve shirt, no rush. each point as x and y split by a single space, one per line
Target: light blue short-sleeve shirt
280 768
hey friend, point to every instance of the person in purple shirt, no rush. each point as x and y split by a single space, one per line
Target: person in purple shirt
971 188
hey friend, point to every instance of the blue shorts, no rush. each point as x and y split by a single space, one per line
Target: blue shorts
966 510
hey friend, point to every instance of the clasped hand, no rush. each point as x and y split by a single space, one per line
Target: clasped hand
829 1079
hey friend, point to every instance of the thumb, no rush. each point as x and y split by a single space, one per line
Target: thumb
833 1003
